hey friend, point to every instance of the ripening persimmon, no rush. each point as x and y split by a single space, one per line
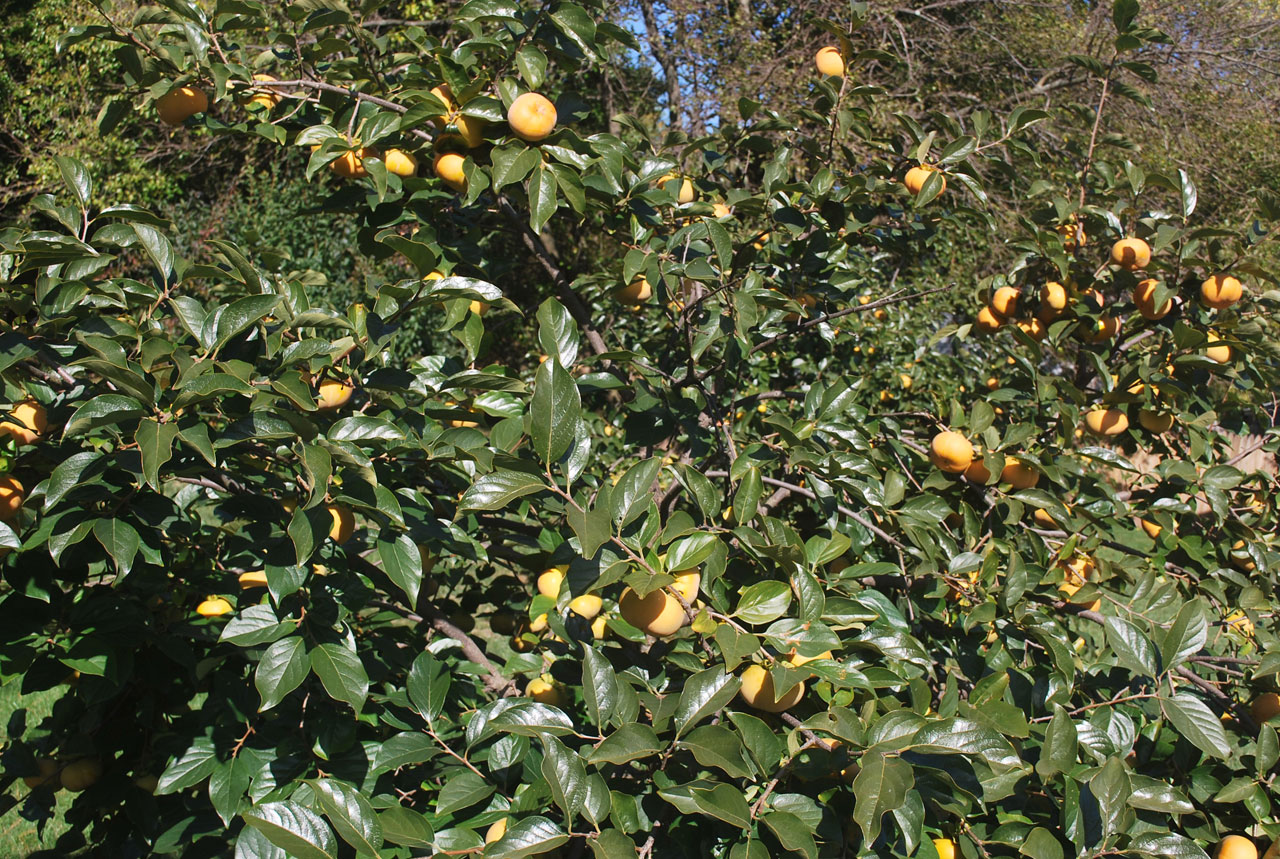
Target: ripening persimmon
1018 475
545 692
180 103
1106 422
213 606
344 523
1265 707
12 495
988 320
1220 291
686 193
400 162
657 612
1033 328
917 176
1144 297
264 98
1236 847
1053 301
532 117
350 164
978 472
1131 254
1217 350
758 691
1156 422
829 62
637 292
449 167
27 422
333 394
951 452
1073 236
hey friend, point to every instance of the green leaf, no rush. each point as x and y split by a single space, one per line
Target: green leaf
630 742
1110 789
428 685
529 836
406 827
1186 636
103 410
1058 754
1196 723
724 802
631 496
227 786
497 489
293 828
718 746
403 749
365 428
565 774
463 790
763 602
400 558
155 443
342 674
792 832
542 197
557 332
962 736
1167 845
120 539
599 686
240 314
72 472
191 768
704 693
281 669
1132 647
157 247
880 787
553 413
77 179
351 815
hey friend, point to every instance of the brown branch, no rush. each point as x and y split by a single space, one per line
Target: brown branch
496 682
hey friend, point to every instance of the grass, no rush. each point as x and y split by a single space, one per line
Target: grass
19 836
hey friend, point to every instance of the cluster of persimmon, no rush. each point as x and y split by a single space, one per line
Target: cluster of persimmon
951 452
531 117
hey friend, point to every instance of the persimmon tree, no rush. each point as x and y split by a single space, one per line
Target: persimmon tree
644 558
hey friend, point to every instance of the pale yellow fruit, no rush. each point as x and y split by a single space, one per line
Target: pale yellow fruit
449 167
586 606
1131 254
265 98
549 580
720 210
829 62
178 104
545 693
333 394
1155 422
1033 328
532 117
988 321
1236 847
977 472
213 607
496 831
946 848
1073 236
658 613
11 497
686 192
600 627
1053 296
917 176
1221 353
796 660
951 452
687 583
636 292
1043 518
79 775
1153 530
757 690
253 579
28 422
992 383
1005 301
1017 475
1106 328
1239 621
400 162
344 523
1221 291
478 307
1144 297
539 623
1106 422
350 164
